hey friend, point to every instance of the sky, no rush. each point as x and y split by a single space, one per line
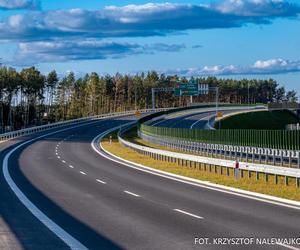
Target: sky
224 38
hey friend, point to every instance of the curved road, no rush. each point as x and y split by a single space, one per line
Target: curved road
106 205
195 119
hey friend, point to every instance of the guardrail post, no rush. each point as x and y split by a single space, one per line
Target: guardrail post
210 168
242 173
274 157
257 175
276 179
281 157
299 159
227 171
221 170
297 182
266 177
204 166
286 180
216 169
290 158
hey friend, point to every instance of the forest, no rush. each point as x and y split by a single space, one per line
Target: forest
30 98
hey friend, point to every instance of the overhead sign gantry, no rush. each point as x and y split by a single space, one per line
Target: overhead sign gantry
191 89
185 89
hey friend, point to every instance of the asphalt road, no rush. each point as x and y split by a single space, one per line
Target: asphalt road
187 119
106 205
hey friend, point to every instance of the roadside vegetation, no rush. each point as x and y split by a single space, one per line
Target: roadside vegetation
29 97
212 174
268 120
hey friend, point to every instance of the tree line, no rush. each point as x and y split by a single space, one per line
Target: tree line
29 98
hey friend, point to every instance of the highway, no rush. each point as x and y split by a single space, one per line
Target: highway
188 119
107 205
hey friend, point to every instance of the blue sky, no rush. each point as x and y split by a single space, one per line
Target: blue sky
225 38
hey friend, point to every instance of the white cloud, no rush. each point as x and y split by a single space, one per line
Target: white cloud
143 20
260 67
19 4
89 49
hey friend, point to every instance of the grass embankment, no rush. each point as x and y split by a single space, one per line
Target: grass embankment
246 183
259 120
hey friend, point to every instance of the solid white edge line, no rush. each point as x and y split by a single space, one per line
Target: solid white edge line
103 182
201 119
82 172
156 123
130 193
68 239
187 213
211 186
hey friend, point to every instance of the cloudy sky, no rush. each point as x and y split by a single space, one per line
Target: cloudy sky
225 38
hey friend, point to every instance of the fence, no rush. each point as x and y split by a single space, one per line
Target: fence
224 165
274 139
283 105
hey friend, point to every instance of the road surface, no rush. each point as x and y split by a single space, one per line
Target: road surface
195 119
106 205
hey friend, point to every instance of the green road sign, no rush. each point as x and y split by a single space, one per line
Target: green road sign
187 89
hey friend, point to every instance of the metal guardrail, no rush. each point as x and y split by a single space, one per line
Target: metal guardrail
225 165
283 105
293 126
252 154
28 131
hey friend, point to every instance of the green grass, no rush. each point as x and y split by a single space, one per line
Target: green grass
269 120
212 174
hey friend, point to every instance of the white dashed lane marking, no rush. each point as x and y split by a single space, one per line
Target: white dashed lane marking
130 193
103 182
189 214
82 172
70 166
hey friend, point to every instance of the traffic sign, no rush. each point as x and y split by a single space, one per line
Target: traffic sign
219 114
191 89
187 89
203 89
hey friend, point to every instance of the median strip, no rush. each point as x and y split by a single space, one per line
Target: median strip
213 174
